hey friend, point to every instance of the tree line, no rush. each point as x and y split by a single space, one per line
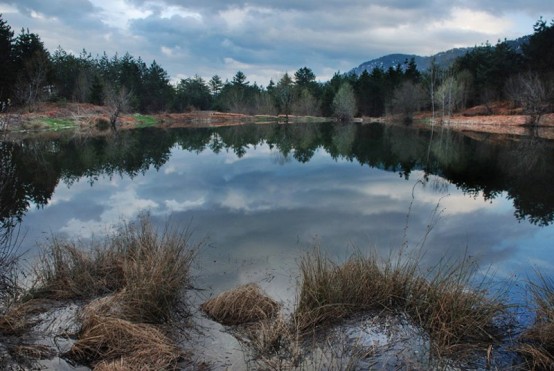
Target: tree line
487 73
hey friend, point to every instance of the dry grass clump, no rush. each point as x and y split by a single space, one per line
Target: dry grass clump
137 277
330 292
272 342
538 341
244 304
454 316
147 270
106 342
18 319
458 318
156 271
272 336
65 271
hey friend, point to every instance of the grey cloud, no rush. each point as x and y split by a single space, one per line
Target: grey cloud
74 12
264 38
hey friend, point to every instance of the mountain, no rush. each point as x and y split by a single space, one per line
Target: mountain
443 59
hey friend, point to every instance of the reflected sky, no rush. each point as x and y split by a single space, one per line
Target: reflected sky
261 212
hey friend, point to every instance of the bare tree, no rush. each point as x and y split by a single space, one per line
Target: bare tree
344 103
449 96
265 104
118 102
407 99
4 117
530 92
31 81
306 104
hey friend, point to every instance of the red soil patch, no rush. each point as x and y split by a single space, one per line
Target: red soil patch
505 119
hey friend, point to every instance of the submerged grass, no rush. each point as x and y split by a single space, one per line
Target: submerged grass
537 342
455 316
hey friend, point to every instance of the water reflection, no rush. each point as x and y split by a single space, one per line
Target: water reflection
522 168
264 193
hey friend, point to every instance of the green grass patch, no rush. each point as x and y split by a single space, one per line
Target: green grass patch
57 124
144 121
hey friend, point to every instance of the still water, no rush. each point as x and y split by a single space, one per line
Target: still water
260 196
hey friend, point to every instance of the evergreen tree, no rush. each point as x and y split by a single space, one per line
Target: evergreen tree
96 93
32 67
240 79
539 51
284 95
6 61
72 75
158 92
192 93
216 85
411 72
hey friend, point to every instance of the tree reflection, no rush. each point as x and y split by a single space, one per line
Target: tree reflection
531 170
10 215
519 167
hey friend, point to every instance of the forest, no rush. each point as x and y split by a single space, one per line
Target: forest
32 74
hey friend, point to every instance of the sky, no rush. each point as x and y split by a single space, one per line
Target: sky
263 38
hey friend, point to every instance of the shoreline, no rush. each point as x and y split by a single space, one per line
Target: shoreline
87 119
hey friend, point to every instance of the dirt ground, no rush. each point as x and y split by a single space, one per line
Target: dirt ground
498 118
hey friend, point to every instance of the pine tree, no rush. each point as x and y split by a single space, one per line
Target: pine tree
6 66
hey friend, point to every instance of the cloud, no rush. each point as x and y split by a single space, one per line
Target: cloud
123 205
175 206
266 39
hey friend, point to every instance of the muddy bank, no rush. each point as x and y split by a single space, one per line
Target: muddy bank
88 119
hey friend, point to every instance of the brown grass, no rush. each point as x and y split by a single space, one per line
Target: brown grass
244 304
136 280
537 342
272 336
455 316
18 319
148 271
106 342
65 271
33 351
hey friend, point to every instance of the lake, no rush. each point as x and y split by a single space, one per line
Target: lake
260 196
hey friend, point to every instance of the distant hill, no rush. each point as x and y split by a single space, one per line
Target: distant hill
443 59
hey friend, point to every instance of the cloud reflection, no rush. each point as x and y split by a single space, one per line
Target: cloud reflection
261 216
